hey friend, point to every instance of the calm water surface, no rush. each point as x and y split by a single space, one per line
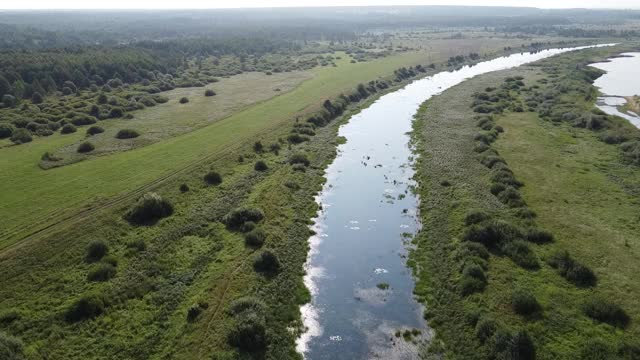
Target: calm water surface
619 81
368 215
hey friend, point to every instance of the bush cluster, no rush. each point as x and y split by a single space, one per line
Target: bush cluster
213 178
236 218
149 208
127 134
249 330
87 306
572 270
606 312
85 147
267 262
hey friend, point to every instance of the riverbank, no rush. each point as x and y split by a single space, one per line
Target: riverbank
567 186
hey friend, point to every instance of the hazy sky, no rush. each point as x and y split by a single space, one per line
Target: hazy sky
200 4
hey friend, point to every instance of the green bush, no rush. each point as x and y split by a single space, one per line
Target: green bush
247 226
469 249
80 120
299 159
213 178
524 303
96 250
572 270
521 254
68 129
606 312
475 217
86 307
127 134
255 238
21 136
258 147
184 100
184 188
267 262
538 236
94 130
236 218
6 130
11 348
209 92
492 233
149 208
470 285
485 328
511 197
101 272
193 312
116 112
249 330
85 147
138 245
297 138
260 166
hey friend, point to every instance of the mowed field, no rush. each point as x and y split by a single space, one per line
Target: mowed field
33 199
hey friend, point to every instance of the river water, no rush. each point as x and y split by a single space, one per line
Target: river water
618 82
368 216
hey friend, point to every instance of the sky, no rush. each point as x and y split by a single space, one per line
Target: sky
205 4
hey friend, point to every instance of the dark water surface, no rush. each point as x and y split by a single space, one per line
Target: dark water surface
368 216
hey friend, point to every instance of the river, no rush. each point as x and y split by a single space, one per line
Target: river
618 83
361 287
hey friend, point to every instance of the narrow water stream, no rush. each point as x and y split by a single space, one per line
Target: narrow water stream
369 214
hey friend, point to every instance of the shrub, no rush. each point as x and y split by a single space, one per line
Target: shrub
297 138
11 348
87 307
213 178
572 270
209 92
138 245
522 346
6 130
497 189
184 100
249 331
299 159
485 328
258 147
474 271
606 312
511 197
524 303
238 217
80 120
481 147
21 136
96 250
184 188
474 249
299 167
260 166
116 112
255 238
247 226
193 312
506 178
492 233
149 208
68 129
470 285
538 236
94 130
267 262
86 147
127 134
475 217
247 304
491 160
519 252
102 272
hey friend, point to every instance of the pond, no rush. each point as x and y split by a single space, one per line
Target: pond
618 84
361 287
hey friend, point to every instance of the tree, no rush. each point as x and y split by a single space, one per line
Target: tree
36 98
9 100
5 87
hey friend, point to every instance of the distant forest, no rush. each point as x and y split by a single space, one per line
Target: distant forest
47 51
